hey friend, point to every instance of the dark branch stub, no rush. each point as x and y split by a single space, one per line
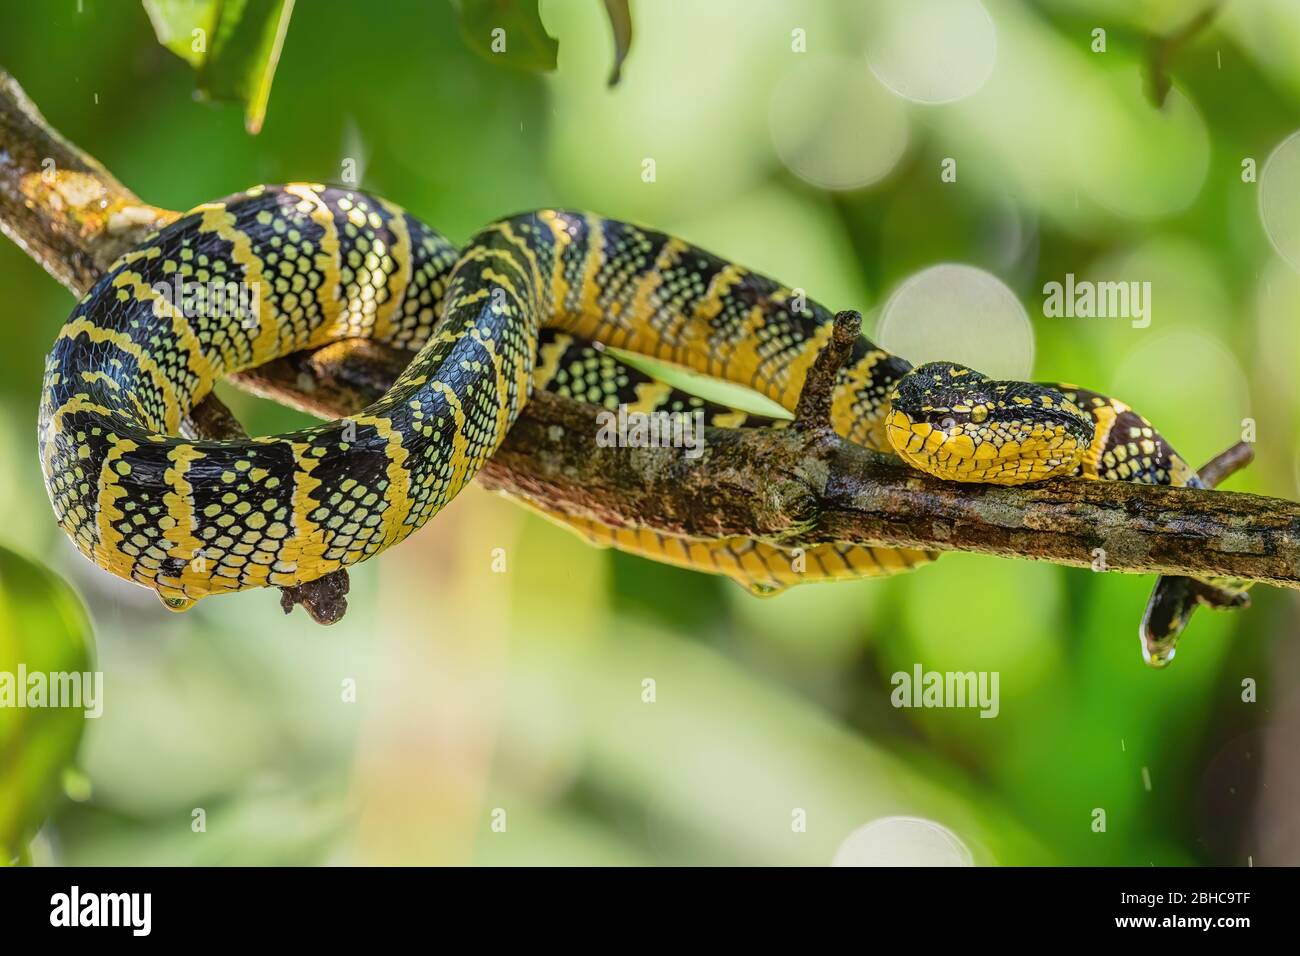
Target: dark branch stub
324 599
813 412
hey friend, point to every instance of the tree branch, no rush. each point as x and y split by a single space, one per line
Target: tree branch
60 206
765 483
796 487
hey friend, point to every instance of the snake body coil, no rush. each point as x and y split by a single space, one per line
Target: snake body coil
297 266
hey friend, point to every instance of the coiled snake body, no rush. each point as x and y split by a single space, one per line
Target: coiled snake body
519 308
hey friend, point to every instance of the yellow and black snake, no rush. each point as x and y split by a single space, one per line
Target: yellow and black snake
277 269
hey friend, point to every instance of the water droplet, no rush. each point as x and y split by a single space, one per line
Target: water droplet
933 51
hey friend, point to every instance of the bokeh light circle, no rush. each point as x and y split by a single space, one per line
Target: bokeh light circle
1199 422
958 313
933 51
903 841
1135 160
1279 199
833 127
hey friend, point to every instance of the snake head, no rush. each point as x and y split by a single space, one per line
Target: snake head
955 423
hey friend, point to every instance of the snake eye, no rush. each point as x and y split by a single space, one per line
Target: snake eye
978 414
948 424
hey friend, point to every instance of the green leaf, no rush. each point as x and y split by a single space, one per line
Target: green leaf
182 25
43 629
234 45
620 20
509 32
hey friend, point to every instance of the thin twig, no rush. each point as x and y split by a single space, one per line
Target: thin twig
1226 464
1163 50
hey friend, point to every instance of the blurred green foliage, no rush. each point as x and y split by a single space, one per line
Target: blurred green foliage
43 629
509 33
524 691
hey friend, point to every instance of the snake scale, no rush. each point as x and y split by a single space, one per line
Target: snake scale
528 303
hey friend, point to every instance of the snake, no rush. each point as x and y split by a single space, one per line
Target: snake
549 299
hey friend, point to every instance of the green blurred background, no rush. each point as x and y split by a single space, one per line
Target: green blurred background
479 692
